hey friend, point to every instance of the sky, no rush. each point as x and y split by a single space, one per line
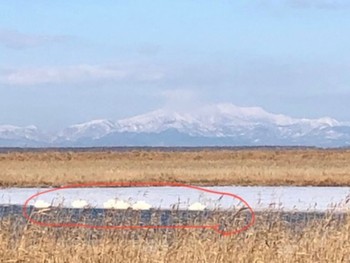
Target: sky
66 62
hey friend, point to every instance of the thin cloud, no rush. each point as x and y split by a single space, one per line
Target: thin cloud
77 74
178 94
319 4
14 39
306 4
149 49
180 99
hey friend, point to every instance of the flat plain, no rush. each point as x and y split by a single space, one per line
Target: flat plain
271 239
299 167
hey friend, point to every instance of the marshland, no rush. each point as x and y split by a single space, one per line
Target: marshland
276 236
249 167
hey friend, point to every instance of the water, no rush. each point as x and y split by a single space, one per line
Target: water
259 198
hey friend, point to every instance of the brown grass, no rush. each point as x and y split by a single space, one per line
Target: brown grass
216 167
271 240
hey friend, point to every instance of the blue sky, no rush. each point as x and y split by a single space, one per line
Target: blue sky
64 62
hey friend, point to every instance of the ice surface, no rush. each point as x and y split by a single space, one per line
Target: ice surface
260 198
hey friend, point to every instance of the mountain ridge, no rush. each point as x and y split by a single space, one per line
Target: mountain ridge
222 124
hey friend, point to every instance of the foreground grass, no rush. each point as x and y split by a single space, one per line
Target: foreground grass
215 167
273 240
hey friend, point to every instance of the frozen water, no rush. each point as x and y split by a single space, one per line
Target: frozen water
260 198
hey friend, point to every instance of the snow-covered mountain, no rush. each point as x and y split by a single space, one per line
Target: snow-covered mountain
219 120
212 125
93 129
15 136
14 132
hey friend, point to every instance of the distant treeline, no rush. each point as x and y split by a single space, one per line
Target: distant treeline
162 149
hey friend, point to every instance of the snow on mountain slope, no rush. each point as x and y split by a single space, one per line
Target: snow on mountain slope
218 124
93 129
10 132
161 120
220 120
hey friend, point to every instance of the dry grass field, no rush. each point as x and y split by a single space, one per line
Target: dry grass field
216 167
270 240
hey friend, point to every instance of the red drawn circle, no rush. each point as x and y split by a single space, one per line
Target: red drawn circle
137 184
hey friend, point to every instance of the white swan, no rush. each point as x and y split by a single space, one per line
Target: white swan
141 205
116 204
41 204
79 203
196 207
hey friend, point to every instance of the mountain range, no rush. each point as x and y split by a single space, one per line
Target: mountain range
211 125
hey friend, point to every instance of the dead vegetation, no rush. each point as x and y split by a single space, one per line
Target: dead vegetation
215 167
269 240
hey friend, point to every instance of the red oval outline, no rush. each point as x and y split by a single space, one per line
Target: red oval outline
133 184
